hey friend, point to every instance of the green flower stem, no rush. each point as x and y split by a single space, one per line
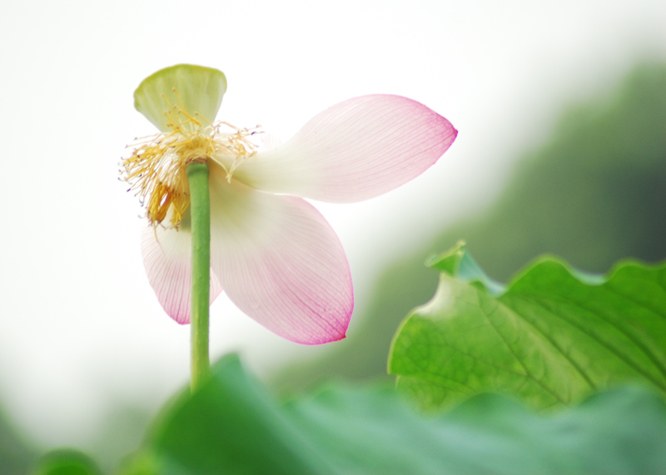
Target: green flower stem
197 176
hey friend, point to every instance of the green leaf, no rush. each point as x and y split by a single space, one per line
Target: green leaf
65 462
170 92
232 426
552 337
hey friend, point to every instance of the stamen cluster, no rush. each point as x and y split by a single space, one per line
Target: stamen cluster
156 168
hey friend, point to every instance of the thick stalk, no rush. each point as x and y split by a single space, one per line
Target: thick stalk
197 176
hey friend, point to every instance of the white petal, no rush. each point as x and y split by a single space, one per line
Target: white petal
167 259
280 262
352 151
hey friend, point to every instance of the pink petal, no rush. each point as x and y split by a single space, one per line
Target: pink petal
354 150
167 263
280 262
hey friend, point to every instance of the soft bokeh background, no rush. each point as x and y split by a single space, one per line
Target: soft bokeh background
85 348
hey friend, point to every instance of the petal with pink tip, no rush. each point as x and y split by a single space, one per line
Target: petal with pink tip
166 256
280 262
357 149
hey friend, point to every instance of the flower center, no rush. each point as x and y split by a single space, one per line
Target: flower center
156 169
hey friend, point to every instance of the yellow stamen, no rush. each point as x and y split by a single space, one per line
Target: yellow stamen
156 169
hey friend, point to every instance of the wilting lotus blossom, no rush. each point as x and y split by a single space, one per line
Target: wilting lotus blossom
272 252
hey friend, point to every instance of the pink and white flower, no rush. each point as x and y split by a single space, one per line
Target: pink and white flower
272 252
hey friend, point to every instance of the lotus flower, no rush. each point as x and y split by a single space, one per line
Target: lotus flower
272 252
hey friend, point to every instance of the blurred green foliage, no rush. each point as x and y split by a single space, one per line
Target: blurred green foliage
593 194
117 434
233 426
16 455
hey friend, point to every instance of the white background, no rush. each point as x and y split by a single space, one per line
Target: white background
80 327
